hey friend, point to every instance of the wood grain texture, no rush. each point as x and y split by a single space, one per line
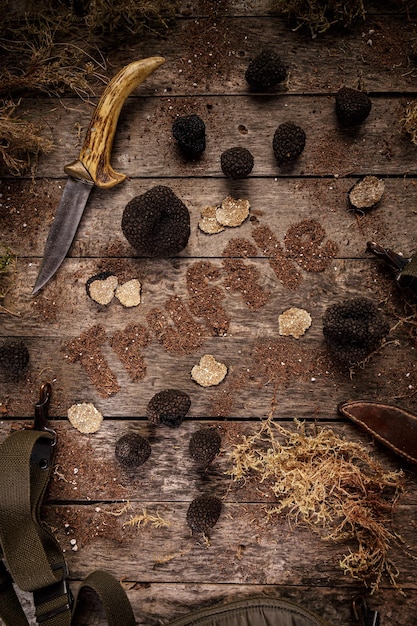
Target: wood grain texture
165 572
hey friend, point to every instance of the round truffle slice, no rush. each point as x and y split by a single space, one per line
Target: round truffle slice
288 143
156 223
203 513
265 71
132 450
352 106
236 162
190 134
205 446
168 407
14 358
101 287
366 193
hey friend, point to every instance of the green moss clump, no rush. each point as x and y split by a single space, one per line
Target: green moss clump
320 15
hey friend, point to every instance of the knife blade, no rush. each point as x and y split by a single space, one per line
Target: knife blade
93 167
396 428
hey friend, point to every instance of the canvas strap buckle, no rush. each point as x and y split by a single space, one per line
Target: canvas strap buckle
57 595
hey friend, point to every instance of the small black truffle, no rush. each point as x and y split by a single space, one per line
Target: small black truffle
132 450
352 106
288 143
168 407
14 358
204 446
156 223
352 329
236 162
203 513
190 133
265 71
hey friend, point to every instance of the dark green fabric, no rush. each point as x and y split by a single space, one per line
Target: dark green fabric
33 556
254 611
410 270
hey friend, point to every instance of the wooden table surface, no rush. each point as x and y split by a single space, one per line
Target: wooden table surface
165 571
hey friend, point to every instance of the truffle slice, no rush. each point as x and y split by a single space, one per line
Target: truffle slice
128 294
265 71
208 222
352 106
288 143
236 162
204 446
190 134
14 358
132 450
208 372
168 407
101 287
366 193
353 328
232 212
156 223
85 417
294 322
203 513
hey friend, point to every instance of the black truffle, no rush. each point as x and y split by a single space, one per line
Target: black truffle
14 358
204 446
132 450
352 329
203 513
156 223
288 143
352 106
168 407
190 133
236 162
265 71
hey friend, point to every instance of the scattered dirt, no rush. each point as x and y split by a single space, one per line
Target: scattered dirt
284 269
305 244
185 336
127 344
205 300
241 276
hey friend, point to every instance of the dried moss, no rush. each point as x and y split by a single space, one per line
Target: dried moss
331 485
409 121
7 274
320 15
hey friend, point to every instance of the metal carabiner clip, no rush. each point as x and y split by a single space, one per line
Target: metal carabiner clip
363 614
42 410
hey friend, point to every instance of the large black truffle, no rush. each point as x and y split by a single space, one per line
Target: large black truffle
288 143
236 162
204 446
190 133
353 329
132 450
14 358
265 71
168 407
203 513
156 223
352 106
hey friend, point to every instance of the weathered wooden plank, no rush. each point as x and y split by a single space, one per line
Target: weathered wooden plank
144 146
280 203
211 55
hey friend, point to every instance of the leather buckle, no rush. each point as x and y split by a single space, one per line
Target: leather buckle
53 592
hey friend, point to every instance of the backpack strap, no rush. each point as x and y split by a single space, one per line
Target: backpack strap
34 558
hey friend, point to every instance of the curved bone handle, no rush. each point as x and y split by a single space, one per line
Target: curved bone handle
94 160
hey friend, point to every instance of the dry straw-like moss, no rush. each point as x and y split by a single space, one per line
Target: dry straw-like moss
330 485
409 121
319 15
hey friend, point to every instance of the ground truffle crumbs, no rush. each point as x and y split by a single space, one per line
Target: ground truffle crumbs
14 358
190 134
132 450
288 143
265 71
204 446
353 329
352 106
203 513
156 223
236 162
168 407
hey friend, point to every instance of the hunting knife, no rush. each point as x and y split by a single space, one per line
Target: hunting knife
92 166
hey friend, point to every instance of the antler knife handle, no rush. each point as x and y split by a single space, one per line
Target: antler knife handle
94 160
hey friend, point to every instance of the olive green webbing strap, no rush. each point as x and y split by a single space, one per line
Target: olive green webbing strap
34 557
